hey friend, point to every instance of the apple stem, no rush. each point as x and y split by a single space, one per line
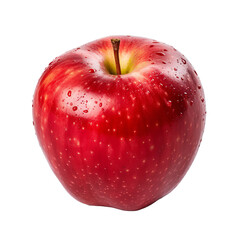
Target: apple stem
115 44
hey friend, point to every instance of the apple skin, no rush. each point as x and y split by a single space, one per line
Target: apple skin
121 141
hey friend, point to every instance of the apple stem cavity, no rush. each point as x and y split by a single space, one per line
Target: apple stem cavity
116 43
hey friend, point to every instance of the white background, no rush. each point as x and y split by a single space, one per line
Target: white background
34 205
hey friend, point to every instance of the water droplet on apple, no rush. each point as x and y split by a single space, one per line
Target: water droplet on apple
199 87
169 103
195 72
191 102
175 69
75 108
85 111
160 53
183 61
164 62
100 104
151 46
202 99
69 93
92 70
165 50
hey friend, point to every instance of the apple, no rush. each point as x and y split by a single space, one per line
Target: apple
120 120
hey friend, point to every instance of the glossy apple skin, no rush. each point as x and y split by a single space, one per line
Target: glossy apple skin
122 141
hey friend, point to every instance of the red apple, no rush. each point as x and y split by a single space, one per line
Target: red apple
120 140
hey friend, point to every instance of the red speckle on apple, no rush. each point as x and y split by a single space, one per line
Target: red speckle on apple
120 140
